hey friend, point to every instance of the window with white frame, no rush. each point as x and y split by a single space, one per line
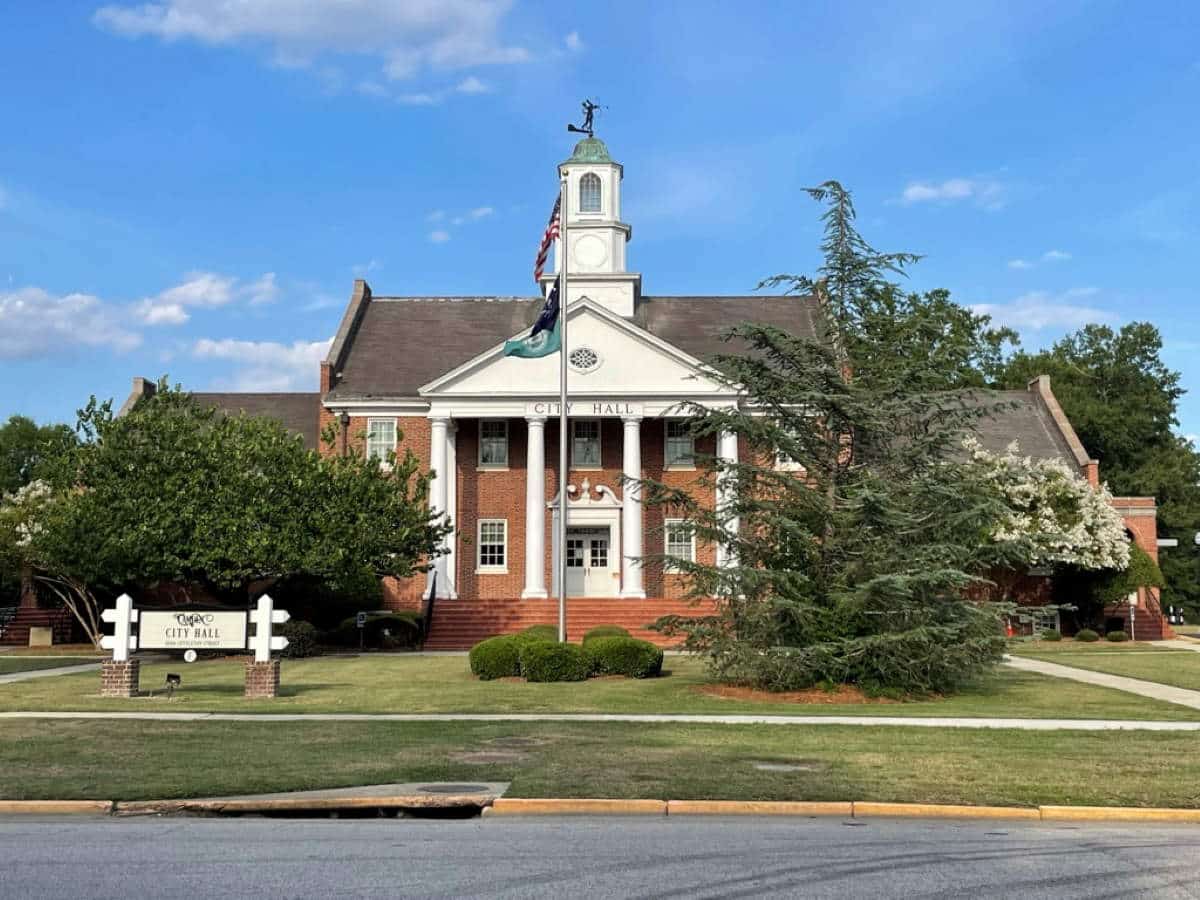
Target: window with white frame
493 443
784 462
585 444
381 438
679 542
589 193
680 445
493 545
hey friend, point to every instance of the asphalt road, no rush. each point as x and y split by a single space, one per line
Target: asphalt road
596 857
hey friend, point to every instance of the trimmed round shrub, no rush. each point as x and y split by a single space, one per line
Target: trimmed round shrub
400 630
1051 635
541 632
544 661
625 656
497 657
1116 636
1086 635
605 631
302 639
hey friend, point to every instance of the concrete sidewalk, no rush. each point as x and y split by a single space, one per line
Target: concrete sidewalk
648 718
1151 689
14 677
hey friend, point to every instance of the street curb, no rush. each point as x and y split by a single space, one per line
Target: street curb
521 807
55 807
757 808
943 811
1117 814
294 804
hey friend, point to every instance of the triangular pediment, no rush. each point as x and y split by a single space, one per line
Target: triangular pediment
630 361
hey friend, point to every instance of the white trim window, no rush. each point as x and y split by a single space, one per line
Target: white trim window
493 545
679 542
381 439
585 444
493 443
589 193
679 445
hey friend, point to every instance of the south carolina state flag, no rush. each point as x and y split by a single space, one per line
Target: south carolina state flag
546 335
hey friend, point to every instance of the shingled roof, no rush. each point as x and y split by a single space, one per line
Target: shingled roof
298 413
402 343
1021 416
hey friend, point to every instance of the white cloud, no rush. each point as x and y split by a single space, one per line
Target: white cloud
266 365
206 290
984 192
436 215
1019 264
1043 310
480 212
34 322
1055 256
418 99
472 85
407 37
439 236
262 290
574 42
371 88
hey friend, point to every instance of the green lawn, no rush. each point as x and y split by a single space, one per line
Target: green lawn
1179 668
11 664
150 760
444 684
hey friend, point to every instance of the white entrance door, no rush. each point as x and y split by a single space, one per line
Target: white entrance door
589 563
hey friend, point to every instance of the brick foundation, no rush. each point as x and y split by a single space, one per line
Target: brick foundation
119 679
262 679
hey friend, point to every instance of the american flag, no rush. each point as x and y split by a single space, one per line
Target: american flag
548 240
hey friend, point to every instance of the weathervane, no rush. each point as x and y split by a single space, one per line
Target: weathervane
589 112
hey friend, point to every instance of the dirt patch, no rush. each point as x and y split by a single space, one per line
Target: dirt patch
842 694
516 742
489 757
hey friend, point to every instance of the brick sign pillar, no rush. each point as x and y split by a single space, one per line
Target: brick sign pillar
262 672
119 676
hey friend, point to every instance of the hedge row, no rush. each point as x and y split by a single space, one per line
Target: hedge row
537 659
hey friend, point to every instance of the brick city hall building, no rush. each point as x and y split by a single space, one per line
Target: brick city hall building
429 374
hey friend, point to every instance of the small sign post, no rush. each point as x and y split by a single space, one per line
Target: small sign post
119 676
262 672
361 621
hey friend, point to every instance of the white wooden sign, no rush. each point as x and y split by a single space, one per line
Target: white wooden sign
186 629
122 640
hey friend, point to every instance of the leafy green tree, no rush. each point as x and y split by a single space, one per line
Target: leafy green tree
1122 399
855 568
178 493
24 446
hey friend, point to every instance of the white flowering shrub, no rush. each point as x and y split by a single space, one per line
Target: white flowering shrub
1054 515
20 511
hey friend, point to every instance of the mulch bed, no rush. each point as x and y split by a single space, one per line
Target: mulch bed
842 694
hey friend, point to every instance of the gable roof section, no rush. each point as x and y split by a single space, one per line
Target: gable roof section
1022 417
403 343
298 413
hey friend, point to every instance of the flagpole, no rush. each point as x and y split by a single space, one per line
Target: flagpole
563 435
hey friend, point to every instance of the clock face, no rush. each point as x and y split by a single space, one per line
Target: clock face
590 252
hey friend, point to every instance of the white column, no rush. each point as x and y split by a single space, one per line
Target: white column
535 509
452 509
631 511
727 451
439 493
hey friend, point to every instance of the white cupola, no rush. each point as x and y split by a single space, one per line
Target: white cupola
597 237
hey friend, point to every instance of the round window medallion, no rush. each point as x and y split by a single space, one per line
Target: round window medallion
583 359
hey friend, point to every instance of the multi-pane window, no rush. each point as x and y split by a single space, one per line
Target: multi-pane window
493 543
679 541
493 443
589 193
381 438
585 444
680 444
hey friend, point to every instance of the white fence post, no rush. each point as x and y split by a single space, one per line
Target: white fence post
121 641
263 618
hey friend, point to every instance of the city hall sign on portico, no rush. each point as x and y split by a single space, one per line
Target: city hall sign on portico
428 374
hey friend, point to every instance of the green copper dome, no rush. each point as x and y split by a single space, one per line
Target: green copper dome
590 150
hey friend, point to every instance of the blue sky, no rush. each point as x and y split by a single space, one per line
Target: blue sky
189 187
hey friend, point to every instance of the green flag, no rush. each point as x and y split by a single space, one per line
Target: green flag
537 345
